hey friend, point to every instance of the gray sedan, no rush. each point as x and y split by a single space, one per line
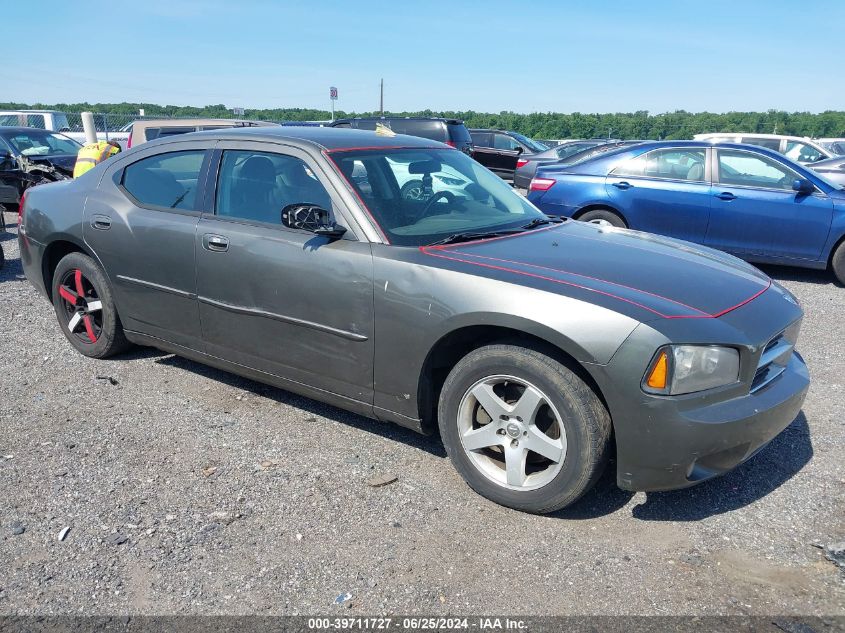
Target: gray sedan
535 347
831 168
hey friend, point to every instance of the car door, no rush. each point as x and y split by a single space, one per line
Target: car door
141 223
756 212
665 191
283 301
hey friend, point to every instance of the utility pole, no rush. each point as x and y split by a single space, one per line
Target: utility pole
381 97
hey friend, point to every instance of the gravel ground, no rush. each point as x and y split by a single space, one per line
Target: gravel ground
189 490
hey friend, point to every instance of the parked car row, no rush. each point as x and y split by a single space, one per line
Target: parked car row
746 200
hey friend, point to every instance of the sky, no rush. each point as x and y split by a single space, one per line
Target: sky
488 56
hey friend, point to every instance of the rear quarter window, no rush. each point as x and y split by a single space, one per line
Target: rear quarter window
152 133
434 130
459 133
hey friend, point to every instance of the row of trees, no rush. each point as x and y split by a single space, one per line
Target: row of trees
551 125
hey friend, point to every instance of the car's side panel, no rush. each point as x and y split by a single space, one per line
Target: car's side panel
571 193
148 254
287 302
418 302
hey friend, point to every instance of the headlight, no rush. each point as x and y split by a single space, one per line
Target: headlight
678 369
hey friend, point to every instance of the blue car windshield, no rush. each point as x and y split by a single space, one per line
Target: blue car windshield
419 196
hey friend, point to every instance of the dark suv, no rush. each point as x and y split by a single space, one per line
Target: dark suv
499 151
450 131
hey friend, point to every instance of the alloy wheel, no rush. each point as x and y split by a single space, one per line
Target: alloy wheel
82 306
512 432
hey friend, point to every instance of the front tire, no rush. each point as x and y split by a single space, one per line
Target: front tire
522 429
85 309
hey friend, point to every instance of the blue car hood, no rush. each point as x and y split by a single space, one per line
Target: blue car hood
646 276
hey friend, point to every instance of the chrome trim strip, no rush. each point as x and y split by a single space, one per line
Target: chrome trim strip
782 348
149 284
769 378
352 336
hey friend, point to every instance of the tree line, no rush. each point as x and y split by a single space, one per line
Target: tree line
542 125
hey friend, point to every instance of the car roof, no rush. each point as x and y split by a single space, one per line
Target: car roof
17 129
328 138
32 111
198 121
752 134
399 118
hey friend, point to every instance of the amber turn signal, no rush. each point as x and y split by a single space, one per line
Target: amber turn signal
659 372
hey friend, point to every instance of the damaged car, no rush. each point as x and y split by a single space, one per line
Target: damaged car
29 156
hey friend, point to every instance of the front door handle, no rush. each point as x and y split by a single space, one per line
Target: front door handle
726 195
101 222
216 243
622 185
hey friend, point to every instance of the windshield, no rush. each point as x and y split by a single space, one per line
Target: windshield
41 143
420 196
535 146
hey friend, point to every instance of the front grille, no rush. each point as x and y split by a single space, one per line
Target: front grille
775 357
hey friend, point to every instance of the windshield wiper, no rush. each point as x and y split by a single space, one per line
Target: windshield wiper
468 237
541 221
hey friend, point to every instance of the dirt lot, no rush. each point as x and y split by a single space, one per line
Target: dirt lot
189 490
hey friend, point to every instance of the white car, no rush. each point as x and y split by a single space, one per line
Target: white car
798 148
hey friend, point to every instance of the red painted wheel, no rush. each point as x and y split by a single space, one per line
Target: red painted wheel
85 308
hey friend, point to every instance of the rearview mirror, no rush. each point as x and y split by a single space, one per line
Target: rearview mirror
802 185
311 218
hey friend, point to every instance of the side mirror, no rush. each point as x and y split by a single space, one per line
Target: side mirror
519 151
802 185
311 218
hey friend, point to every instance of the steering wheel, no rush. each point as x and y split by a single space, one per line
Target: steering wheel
448 195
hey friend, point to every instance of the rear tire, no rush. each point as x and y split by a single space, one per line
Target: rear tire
605 217
84 305
837 263
538 404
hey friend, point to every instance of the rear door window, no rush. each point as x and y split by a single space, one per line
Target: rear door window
166 181
503 141
482 139
672 164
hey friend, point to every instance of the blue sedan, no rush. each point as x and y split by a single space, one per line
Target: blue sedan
746 200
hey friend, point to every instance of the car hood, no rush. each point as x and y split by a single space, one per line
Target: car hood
642 275
63 162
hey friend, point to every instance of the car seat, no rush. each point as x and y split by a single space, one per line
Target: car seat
253 191
696 172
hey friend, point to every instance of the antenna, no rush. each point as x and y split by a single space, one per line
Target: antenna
381 97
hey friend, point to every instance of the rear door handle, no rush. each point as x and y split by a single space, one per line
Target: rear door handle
101 222
726 195
622 185
216 243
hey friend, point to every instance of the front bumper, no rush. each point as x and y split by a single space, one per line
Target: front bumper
683 447
671 442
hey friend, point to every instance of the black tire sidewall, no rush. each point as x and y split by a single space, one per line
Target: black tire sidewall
111 339
604 214
837 263
556 381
